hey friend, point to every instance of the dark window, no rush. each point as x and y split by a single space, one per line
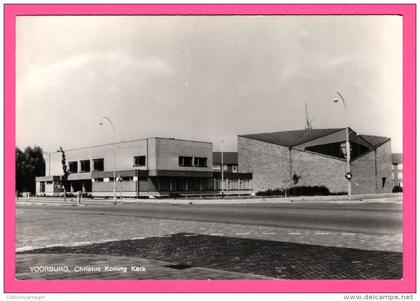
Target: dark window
73 167
383 181
99 180
180 185
200 162
140 161
332 149
185 161
357 150
196 185
98 164
338 149
41 186
163 184
172 185
85 166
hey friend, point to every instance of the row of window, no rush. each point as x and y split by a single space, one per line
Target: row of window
233 168
189 184
111 179
98 164
192 161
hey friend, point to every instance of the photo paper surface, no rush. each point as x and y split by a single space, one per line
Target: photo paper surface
266 148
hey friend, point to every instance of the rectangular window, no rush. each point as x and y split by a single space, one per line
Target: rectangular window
41 186
98 164
85 166
196 185
234 168
180 185
73 167
200 162
163 184
140 161
99 180
184 161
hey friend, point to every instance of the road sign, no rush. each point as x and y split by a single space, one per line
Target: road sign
348 175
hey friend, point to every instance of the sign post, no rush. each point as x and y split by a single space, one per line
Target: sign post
119 179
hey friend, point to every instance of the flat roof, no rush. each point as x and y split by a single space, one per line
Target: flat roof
128 141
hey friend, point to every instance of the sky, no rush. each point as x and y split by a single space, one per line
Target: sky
207 78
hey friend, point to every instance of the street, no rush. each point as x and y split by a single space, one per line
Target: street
373 218
201 237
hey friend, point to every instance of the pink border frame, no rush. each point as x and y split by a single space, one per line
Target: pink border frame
407 284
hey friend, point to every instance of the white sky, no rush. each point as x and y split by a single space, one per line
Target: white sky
204 77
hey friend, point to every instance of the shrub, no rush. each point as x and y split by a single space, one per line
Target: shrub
270 192
397 189
296 191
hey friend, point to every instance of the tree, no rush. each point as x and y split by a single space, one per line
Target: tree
29 164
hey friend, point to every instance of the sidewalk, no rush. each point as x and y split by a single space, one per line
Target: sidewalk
208 256
374 198
91 266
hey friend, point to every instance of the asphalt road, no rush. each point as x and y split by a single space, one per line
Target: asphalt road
371 218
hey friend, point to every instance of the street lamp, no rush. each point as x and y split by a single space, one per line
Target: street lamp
115 149
223 180
348 151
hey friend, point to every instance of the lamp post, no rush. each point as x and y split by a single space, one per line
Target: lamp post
221 166
115 150
348 150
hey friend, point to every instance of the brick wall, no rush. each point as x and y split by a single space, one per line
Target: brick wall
363 171
368 174
269 163
384 167
270 166
318 170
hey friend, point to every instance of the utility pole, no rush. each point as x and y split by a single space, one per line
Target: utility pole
115 152
223 180
348 174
